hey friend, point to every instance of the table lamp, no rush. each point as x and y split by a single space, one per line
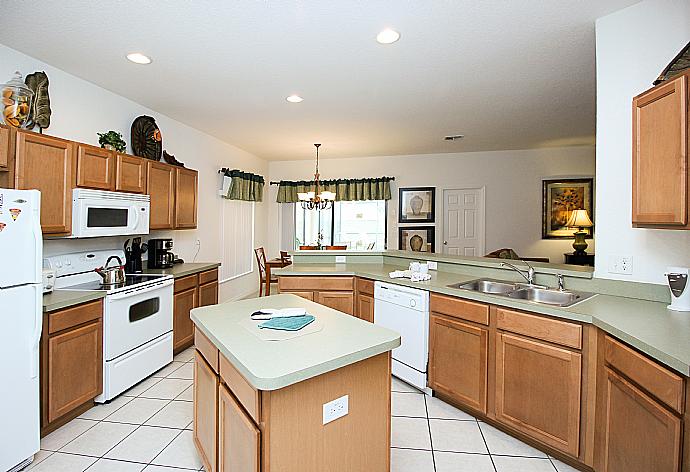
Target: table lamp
579 219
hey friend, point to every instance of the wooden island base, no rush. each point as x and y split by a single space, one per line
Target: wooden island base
239 428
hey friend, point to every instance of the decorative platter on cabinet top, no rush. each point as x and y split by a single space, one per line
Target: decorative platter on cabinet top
147 140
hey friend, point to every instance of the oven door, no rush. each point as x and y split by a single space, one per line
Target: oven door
102 216
135 317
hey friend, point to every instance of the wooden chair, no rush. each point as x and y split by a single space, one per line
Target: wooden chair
261 262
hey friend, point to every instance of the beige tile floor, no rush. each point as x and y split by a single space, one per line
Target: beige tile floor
148 428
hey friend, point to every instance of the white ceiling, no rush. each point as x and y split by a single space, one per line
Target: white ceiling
508 74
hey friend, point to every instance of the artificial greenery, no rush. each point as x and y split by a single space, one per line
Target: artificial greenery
114 139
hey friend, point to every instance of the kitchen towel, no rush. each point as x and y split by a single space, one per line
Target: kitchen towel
294 323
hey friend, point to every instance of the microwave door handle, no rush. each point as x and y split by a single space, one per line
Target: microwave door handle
136 216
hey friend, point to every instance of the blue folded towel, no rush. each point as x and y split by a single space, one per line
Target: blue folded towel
294 323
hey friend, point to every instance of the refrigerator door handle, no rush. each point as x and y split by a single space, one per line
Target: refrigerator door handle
38 328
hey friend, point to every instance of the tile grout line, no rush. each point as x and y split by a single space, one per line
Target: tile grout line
493 464
431 440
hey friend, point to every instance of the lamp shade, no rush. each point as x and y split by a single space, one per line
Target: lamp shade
579 219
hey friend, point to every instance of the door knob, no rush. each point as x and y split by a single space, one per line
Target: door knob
445 243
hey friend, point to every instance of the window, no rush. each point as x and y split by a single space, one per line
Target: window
359 225
237 239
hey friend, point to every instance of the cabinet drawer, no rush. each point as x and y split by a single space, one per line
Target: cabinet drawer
207 349
74 316
547 329
315 283
365 286
463 309
208 276
655 379
247 395
185 283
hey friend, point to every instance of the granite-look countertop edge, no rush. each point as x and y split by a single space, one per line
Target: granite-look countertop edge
59 299
184 269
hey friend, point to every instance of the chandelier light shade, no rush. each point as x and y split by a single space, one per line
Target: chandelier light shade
316 200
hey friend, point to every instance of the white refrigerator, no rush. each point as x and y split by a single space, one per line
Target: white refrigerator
21 307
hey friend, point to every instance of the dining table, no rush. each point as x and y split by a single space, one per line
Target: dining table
278 262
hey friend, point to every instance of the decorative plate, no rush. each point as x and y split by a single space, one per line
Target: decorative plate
147 140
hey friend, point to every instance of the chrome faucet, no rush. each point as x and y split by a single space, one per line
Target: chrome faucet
528 274
561 282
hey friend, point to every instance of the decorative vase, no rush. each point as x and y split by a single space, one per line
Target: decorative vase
416 204
416 242
580 245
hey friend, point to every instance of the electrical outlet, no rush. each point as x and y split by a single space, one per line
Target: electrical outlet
433 265
340 259
335 409
620 264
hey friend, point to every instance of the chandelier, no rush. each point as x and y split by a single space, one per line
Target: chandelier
316 200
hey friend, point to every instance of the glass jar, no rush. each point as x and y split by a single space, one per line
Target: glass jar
16 101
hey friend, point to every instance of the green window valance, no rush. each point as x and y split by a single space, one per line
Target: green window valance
243 186
344 189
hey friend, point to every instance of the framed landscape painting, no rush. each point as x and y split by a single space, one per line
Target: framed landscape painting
416 238
416 205
560 197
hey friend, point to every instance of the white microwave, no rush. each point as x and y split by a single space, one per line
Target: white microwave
101 213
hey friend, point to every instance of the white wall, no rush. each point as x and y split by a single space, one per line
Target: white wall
80 109
633 47
512 180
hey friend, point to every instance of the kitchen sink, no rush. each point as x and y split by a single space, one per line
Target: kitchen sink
520 291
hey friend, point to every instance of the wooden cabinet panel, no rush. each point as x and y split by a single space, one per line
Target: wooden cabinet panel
365 286
365 307
247 395
341 301
74 316
4 147
160 185
183 328
239 444
208 294
638 434
207 349
130 174
457 308
205 412
47 164
458 354
208 276
95 167
186 191
187 282
301 283
307 295
660 155
540 327
75 368
538 390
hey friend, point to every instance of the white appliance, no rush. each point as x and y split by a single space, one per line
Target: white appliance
102 213
680 291
48 280
21 311
137 318
406 310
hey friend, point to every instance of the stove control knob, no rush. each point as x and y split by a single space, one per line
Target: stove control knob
413 303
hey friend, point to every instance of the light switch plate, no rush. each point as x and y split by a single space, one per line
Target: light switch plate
340 259
335 409
433 265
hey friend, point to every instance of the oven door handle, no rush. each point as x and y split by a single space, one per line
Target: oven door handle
141 290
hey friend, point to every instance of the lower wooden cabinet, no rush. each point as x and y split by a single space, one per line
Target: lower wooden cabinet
183 328
239 440
307 295
208 294
341 301
365 307
334 292
458 360
205 412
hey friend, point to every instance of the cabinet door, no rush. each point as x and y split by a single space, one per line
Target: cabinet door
365 307
660 155
538 390
452 344
47 164
205 412
239 440
75 369
183 328
208 294
4 146
341 301
307 295
639 434
160 185
186 182
95 167
130 174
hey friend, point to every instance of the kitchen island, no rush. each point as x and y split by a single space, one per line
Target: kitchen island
260 405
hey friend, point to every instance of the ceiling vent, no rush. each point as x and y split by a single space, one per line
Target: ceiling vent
454 137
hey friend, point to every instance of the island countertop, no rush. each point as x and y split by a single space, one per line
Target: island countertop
272 365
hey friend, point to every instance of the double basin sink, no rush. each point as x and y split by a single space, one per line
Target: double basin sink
521 291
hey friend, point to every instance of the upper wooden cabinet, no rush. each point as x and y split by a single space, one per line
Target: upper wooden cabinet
160 185
660 156
186 191
95 167
4 147
130 174
47 164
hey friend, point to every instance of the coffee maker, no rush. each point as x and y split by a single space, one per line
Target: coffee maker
680 291
160 253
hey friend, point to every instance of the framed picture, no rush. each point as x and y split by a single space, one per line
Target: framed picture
559 198
416 205
416 238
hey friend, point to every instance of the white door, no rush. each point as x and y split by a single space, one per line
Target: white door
463 221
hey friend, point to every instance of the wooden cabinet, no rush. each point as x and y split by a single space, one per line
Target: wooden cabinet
453 343
130 174
160 185
334 292
205 412
341 301
4 147
183 328
95 167
47 164
365 307
186 192
239 440
660 156
208 294
307 295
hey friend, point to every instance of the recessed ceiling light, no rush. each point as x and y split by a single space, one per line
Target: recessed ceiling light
139 58
294 99
388 36
454 137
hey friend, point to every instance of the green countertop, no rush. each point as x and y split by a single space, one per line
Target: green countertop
184 269
59 299
271 365
646 325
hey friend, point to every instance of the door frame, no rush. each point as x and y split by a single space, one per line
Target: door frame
442 233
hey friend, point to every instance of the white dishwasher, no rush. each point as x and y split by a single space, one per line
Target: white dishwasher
406 311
